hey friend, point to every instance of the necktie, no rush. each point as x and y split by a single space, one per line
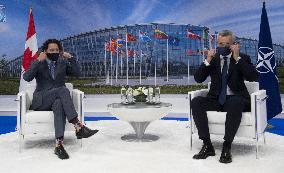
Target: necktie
52 70
223 93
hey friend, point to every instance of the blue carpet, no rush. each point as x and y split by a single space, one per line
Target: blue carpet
8 123
278 126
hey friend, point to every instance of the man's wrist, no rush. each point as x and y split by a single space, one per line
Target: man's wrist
206 62
237 59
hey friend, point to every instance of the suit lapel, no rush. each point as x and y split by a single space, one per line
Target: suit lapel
231 66
218 65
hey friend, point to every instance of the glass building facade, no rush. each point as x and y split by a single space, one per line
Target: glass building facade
184 58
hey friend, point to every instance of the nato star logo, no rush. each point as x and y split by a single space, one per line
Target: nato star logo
265 61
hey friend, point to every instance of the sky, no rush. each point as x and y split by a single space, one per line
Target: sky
62 18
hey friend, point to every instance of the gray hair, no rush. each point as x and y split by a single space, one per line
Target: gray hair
227 32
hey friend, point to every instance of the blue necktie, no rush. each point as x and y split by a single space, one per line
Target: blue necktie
52 70
223 93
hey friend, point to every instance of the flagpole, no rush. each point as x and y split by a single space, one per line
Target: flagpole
121 69
116 69
140 65
187 62
105 63
110 61
140 57
156 71
187 70
168 60
203 42
209 39
134 63
215 41
126 58
155 46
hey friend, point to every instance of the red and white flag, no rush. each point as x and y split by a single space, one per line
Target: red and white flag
190 34
30 53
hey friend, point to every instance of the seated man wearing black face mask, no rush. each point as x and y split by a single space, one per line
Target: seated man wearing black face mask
51 93
228 68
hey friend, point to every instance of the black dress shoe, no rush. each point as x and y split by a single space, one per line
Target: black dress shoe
61 152
85 132
205 151
226 156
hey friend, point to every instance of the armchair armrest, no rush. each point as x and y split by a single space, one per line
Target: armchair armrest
191 95
21 109
258 110
201 92
77 97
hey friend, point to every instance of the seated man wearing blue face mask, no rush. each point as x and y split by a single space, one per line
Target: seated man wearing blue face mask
50 70
228 68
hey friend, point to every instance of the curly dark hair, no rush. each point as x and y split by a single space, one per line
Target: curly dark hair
47 42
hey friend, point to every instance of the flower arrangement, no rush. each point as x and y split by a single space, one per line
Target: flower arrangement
140 94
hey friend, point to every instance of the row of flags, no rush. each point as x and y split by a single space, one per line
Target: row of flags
266 64
158 34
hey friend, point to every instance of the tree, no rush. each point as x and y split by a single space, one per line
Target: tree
4 69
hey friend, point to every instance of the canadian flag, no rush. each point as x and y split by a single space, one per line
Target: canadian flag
30 53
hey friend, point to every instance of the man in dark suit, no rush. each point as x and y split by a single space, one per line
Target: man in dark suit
228 68
49 70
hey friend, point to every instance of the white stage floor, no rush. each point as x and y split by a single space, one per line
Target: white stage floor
106 152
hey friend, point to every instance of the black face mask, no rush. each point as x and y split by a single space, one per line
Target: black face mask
52 56
224 51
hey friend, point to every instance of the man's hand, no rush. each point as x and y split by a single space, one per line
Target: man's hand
66 55
211 55
235 48
42 56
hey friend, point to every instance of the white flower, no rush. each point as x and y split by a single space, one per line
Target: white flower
145 91
129 91
151 91
136 93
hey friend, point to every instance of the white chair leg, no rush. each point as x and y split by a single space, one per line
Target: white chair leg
190 140
191 132
264 139
256 140
21 141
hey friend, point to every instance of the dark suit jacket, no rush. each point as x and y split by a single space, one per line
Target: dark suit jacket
44 81
237 73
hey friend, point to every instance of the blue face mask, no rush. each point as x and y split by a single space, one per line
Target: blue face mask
224 51
52 56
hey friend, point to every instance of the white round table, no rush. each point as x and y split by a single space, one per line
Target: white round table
139 116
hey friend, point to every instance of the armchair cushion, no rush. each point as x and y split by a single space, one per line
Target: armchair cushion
215 117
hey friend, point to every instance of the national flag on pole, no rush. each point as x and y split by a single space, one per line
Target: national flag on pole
160 34
120 42
30 53
111 46
122 52
143 37
131 53
266 66
192 35
174 41
208 35
130 37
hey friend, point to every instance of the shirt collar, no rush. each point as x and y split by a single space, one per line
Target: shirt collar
49 62
228 56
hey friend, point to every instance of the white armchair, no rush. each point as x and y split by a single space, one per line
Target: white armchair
253 123
34 122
